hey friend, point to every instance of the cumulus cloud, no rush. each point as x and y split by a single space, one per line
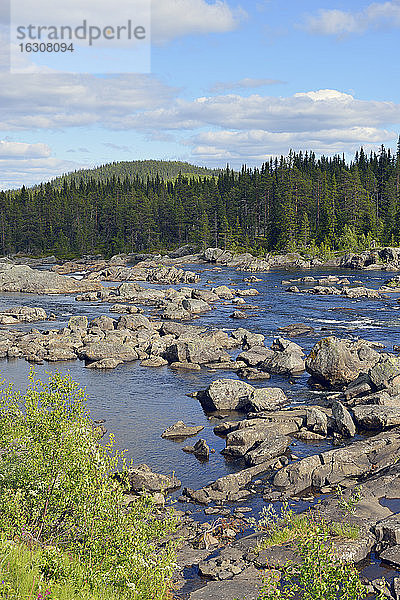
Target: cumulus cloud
15 172
169 18
20 150
54 101
305 111
246 83
256 145
339 22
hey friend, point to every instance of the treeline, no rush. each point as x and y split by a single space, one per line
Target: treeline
164 169
296 202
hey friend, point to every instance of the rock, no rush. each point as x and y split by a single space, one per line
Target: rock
267 398
100 350
317 421
233 394
125 308
195 306
185 365
337 362
226 394
253 374
105 363
22 314
241 441
286 359
359 459
222 291
385 374
248 292
143 478
180 430
104 323
388 530
360 386
391 555
56 354
228 590
344 422
175 312
296 329
238 314
377 417
21 278
201 450
78 324
273 445
155 361
256 355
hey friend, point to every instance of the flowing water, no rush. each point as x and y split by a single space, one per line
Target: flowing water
138 403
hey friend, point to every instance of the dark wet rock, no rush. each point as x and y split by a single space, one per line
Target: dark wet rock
296 329
359 459
233 394
143 478
180 430
22 314
201 450
344 422
21 278
375 417
337 362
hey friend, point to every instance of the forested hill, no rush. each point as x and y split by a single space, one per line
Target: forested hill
294 203
164 169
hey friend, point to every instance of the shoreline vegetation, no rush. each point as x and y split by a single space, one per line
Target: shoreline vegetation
65 530
295 203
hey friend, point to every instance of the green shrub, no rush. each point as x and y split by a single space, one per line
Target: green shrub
59 496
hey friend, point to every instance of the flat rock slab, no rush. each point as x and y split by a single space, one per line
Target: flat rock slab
180 430
391 555
228 590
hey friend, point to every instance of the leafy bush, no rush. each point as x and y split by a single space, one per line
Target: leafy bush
59 497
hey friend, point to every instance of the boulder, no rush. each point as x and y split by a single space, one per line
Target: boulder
143 478
273 445
233 394
359 459
316 421
201 450
195 306
180 430
22 314
296 329
238 314
337 362
100 350
377 417
385 374
286 359
21 278
344 422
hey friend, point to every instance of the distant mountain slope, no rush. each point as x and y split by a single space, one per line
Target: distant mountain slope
165 169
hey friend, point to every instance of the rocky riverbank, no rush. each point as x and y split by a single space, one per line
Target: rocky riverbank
357 418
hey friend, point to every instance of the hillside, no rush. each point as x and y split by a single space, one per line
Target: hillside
166 170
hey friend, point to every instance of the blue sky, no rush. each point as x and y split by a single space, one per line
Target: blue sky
230 81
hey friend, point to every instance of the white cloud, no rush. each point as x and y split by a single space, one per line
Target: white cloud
54 101
169 18
339 22
176 18
21 150
16 172
246 83
309 111
256 145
